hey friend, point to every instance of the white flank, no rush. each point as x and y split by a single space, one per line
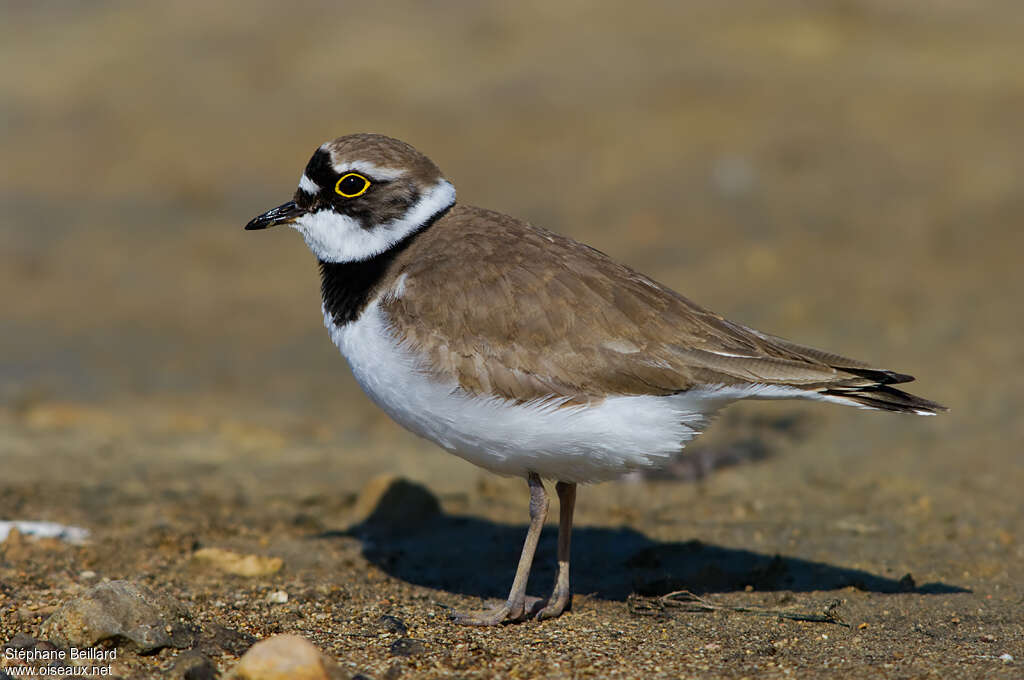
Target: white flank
309 186
571 444
334 237
581 444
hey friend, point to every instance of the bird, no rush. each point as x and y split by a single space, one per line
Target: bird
526 352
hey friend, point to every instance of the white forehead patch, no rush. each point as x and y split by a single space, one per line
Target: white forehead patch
309 186
334 237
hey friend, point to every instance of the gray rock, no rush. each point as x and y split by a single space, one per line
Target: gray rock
130 614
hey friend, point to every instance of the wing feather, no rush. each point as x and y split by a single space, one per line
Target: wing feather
546 317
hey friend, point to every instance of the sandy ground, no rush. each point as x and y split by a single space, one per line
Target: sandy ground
846 174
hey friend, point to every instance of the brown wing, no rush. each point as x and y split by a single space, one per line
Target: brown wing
508 308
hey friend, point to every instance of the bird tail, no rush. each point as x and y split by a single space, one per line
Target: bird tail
884 398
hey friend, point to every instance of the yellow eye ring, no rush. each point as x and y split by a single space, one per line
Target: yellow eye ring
352 188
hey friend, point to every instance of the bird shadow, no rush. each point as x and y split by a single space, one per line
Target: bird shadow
409 537
477 557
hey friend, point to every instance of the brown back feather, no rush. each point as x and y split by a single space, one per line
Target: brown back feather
507 308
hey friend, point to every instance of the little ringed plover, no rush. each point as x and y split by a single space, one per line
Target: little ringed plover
526 352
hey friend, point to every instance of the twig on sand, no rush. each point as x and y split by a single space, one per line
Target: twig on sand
690 602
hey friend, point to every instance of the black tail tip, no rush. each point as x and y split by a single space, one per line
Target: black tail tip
885 398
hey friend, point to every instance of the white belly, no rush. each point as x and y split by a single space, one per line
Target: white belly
571 444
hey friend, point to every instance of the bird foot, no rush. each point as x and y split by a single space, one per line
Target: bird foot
555 606
505 613
496 616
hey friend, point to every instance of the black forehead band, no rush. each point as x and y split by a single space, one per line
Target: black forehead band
320 170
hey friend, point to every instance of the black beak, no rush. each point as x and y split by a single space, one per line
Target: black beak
282 214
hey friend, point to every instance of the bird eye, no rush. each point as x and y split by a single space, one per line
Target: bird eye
352 185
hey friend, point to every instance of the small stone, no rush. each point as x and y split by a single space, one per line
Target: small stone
407 647
229 562
285 657
14 547
217 639
277 597
1006 658
20 641
907 584
393 504
123 612
193 665
393 624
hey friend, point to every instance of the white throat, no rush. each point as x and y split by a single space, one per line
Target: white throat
334 237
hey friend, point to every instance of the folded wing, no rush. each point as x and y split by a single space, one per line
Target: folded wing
549 318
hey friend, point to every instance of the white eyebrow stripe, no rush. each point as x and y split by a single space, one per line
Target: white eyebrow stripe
309 186
372 170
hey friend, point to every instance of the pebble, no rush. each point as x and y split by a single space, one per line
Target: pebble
193 665
1006 658
125 612
217 639
407 647
24 641
393 624
15 547
395 505
285 657
277 597
20 641
229 562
